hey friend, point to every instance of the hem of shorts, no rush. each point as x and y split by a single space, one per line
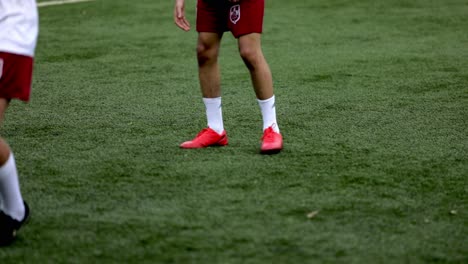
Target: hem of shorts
235 36
247 33
9 98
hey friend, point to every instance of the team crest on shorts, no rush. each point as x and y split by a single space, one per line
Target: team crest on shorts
235 14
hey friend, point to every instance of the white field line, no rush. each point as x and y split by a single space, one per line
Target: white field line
60 2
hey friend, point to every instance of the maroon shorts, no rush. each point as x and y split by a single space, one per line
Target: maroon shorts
15 76
240 18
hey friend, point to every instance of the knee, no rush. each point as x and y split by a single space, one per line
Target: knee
250 56
206 54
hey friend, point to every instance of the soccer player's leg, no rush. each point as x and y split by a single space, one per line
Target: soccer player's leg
251 52
15 82
209 76
246 24
14 211
210 29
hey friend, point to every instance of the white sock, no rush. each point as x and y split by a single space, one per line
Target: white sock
214 114
268 109
9 190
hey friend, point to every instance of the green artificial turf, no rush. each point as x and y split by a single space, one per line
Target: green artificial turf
372 101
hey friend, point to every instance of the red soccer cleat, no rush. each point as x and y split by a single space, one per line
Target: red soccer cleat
272 142
206 138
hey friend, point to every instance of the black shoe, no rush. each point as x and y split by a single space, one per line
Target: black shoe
9 226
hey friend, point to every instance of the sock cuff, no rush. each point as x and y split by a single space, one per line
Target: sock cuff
8 163
215 100
266 100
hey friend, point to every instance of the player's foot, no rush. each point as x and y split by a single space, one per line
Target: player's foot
9 226
272 142
206 138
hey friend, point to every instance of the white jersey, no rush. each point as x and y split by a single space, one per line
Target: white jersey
18 26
